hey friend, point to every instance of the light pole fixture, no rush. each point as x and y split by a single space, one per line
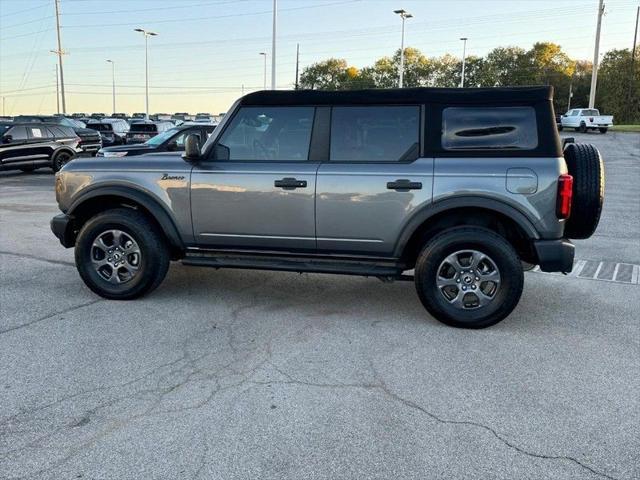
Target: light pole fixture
404 15
113 82
464 58
264 54
146 34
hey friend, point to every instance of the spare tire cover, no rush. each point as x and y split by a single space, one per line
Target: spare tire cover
586 167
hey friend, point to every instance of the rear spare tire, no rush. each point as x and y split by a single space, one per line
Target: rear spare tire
586 167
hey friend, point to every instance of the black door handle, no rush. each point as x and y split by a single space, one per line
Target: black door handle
290 183
403 185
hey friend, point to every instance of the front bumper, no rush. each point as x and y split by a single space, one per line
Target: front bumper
62 227
555 255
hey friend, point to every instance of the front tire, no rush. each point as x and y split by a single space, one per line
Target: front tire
469 277
120 254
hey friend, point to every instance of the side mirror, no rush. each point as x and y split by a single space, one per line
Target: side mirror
221 152
7 139
191 148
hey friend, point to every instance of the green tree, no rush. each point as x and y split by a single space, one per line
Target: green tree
618 91
506 66
329 74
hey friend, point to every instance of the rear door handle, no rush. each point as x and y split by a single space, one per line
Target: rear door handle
290 183
404 185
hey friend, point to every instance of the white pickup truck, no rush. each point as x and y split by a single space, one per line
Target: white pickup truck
583 119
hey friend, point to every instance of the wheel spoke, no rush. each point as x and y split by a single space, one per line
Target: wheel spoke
117 238
99 243
493 276
476 259
446 282
120 257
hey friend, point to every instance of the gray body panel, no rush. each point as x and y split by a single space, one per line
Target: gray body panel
356 212
235 204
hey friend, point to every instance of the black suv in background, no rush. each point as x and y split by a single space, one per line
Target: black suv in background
90 141
27 146
112 130
171 140
140 132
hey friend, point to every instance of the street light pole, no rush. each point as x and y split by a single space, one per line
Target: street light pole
404 15
264 54
464 58
113 80
273 45
146 34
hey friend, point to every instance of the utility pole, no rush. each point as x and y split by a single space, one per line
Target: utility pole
273 45
404 15
633 59
60 52
596 57
57 91
297 62
113 82
3 106
464 58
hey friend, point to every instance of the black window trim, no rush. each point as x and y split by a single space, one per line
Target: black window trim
548 139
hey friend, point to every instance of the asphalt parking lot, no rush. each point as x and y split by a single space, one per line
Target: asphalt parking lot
246 374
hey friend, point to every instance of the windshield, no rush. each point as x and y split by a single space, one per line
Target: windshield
161 137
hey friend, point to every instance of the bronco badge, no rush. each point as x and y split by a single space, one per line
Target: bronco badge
166 176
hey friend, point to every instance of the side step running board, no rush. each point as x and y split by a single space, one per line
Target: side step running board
388 269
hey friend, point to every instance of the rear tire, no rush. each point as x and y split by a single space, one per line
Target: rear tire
474 292
120 254
583 128
60 159
603 130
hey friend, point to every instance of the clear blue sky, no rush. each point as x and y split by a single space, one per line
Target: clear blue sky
208 49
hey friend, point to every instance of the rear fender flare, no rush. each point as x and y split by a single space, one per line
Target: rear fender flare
423 215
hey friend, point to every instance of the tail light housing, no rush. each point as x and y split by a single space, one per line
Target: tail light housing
565 196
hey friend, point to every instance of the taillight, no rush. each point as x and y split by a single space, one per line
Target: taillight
591 119
565 194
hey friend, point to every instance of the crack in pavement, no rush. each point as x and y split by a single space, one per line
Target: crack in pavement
51 315
381 386
35 257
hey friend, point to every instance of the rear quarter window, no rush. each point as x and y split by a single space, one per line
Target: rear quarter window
489 128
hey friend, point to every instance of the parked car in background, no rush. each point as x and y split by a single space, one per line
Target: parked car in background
204 118
98 115
122 116
78 115
584 119
90 141
140 132
4 118
27 146
139 115
171 140
112 130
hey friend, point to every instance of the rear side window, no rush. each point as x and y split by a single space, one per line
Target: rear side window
38 132
375 134
18 133
488 128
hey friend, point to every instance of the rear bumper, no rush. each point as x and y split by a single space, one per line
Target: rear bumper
555 255
62 227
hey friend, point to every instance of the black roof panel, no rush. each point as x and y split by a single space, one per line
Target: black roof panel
399 96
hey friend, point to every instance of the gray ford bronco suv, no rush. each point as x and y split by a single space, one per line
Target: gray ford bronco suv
465 187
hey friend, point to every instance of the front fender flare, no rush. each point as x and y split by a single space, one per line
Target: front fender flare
145 199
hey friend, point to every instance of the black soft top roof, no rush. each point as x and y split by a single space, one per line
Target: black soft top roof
400 96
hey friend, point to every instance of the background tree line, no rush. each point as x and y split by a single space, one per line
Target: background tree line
618 91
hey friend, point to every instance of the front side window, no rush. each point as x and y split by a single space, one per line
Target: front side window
489 128
375 134
280 134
